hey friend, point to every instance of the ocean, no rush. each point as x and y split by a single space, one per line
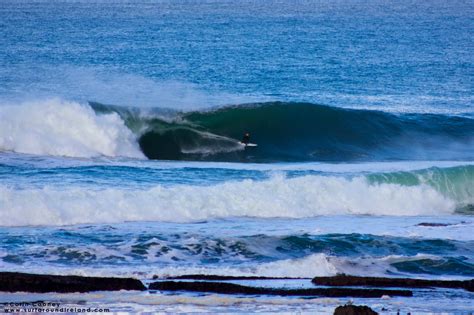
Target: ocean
120 124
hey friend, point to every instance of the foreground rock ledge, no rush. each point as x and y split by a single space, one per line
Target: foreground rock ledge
24 282
354 310
218 277
344 280
230 288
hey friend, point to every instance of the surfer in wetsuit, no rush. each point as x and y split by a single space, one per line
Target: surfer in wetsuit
246 138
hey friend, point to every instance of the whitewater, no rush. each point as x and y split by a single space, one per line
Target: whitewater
120 125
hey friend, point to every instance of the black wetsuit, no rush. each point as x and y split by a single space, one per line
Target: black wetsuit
246 139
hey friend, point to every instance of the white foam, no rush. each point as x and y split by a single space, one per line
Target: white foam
305 196
315 265
62 128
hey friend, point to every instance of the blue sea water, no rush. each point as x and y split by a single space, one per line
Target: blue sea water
120 124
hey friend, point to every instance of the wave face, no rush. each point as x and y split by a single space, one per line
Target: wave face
455 183
300 132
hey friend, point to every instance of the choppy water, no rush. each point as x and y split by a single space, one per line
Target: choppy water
119 153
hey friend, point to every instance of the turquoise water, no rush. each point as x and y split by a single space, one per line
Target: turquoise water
119 145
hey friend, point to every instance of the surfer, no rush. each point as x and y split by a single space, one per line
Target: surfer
246 138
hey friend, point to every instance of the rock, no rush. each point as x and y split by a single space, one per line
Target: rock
345 280
354 310
231 288
220 278
24 282
433 224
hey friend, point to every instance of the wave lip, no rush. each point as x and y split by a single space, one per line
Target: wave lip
62 128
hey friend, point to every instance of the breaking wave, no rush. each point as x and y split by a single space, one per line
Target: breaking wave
278 196
283 132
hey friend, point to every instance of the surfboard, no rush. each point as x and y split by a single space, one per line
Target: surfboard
248 144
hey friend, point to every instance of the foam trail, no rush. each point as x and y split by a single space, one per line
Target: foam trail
310 266
306 267
62 128
306 196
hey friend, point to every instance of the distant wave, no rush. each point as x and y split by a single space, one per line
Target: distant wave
283 132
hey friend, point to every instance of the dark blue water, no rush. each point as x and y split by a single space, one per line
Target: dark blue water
404 55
